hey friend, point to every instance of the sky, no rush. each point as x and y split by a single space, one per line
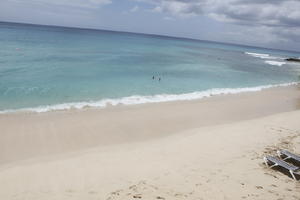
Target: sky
265 23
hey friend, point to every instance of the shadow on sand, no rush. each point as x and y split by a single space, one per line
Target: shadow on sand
285 172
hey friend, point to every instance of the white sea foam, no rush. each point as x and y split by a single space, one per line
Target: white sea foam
271 60
262 55
276 63
258 55
136 99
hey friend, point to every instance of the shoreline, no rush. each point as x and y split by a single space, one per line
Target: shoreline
56 132
137 99
203 149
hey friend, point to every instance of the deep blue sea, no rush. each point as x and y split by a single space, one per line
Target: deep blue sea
46 68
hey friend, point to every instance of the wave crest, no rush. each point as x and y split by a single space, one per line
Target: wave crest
271 60
276 63
262 55
136 99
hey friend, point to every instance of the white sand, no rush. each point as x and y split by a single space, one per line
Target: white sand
209 149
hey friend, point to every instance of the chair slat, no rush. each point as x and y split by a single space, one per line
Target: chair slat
289 154
282 163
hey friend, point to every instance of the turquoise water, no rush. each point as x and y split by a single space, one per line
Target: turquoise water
46 68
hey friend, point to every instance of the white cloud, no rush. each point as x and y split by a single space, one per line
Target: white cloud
264 12
168 18
134 9
178 8
278 19
70 3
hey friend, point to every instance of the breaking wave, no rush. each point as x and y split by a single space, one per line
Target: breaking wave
271 60
136 99
276 63
262 55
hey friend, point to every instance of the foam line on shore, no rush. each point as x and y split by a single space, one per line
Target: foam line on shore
137 99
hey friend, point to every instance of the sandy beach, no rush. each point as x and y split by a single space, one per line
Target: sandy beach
204 149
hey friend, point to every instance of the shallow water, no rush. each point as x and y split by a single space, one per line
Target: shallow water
46 68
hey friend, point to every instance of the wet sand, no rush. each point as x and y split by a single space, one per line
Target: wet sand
205 149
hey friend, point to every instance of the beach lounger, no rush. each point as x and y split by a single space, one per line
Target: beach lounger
288 155
277 162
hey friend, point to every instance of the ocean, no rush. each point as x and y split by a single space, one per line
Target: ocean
45 68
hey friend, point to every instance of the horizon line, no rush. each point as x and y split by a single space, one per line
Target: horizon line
149 34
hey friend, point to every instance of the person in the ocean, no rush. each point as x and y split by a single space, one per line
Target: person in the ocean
153 77
159 79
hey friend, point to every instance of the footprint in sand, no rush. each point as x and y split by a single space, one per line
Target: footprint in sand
92 192
137 196
70 191
180 195
198 184
259 187
154 187
274 185
116 193
270 174
133 187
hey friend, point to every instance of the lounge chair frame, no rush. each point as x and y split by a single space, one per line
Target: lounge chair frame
277 162
288 155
